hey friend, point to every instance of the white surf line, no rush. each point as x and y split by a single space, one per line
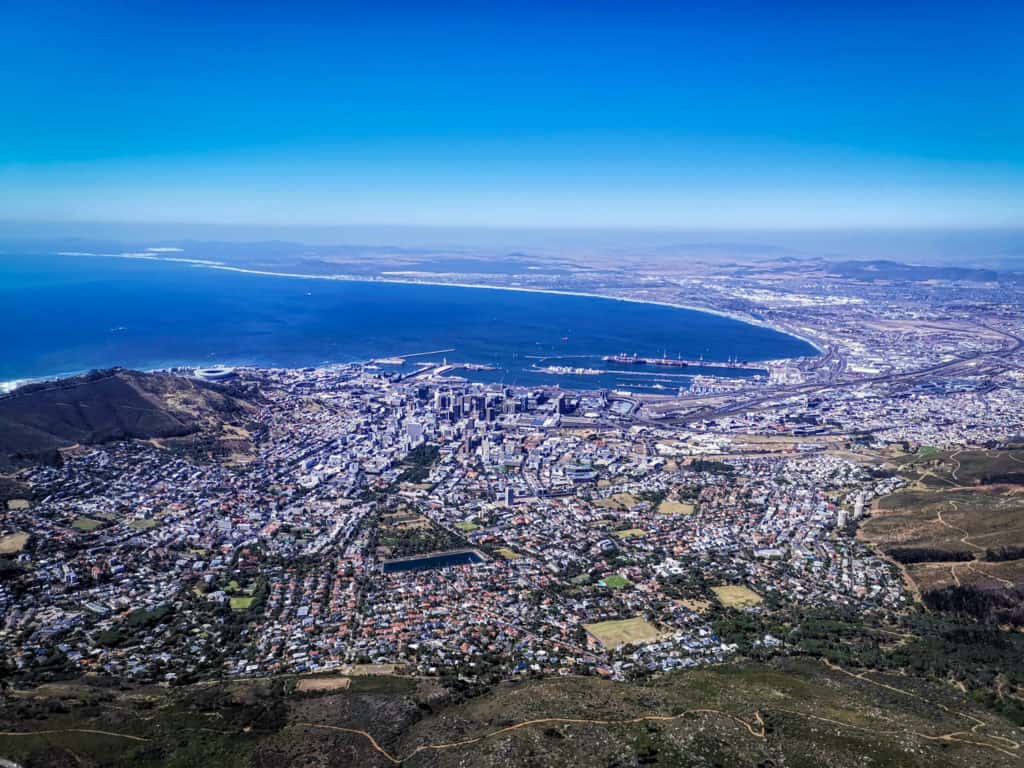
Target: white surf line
208 264
521 289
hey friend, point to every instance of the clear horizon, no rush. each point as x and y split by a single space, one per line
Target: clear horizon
606 115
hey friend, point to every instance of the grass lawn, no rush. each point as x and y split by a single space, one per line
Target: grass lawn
617 501
736 596
509 554
144 524
467 526
13 544
630 533
675 508
241 603
615 581
382 684
612 634
86 524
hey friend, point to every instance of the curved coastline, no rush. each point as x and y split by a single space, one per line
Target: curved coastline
740 318
10 385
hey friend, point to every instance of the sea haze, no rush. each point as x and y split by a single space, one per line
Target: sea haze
67 314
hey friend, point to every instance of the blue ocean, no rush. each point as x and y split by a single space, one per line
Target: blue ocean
68 314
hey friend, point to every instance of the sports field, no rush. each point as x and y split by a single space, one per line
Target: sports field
612 634
86 524
509 554
615 581
736 596
241 603
13 544
675 508
631 533
333 683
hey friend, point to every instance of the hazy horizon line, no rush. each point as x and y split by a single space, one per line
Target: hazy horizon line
468 227
1000 247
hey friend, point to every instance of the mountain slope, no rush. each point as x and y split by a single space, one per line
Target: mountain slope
38 419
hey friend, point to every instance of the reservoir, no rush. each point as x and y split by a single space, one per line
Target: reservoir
69 314
433 561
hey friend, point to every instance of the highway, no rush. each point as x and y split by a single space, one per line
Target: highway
809 389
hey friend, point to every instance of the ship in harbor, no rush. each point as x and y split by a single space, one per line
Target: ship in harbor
637 360
564 370
678 362
624 359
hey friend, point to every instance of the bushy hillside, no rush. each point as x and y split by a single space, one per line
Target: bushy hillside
38 419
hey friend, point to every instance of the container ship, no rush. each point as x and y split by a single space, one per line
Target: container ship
637 360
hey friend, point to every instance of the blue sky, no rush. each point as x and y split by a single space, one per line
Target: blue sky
579 114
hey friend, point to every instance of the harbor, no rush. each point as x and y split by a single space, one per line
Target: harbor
679 362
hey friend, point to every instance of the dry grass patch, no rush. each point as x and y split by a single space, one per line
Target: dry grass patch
357 670
736 596
668 507
236 431
617 501
308 684
16 504
13 544
612 634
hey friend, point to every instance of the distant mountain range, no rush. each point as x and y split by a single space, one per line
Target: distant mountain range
894 270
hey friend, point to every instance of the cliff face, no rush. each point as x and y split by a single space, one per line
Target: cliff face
38 419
